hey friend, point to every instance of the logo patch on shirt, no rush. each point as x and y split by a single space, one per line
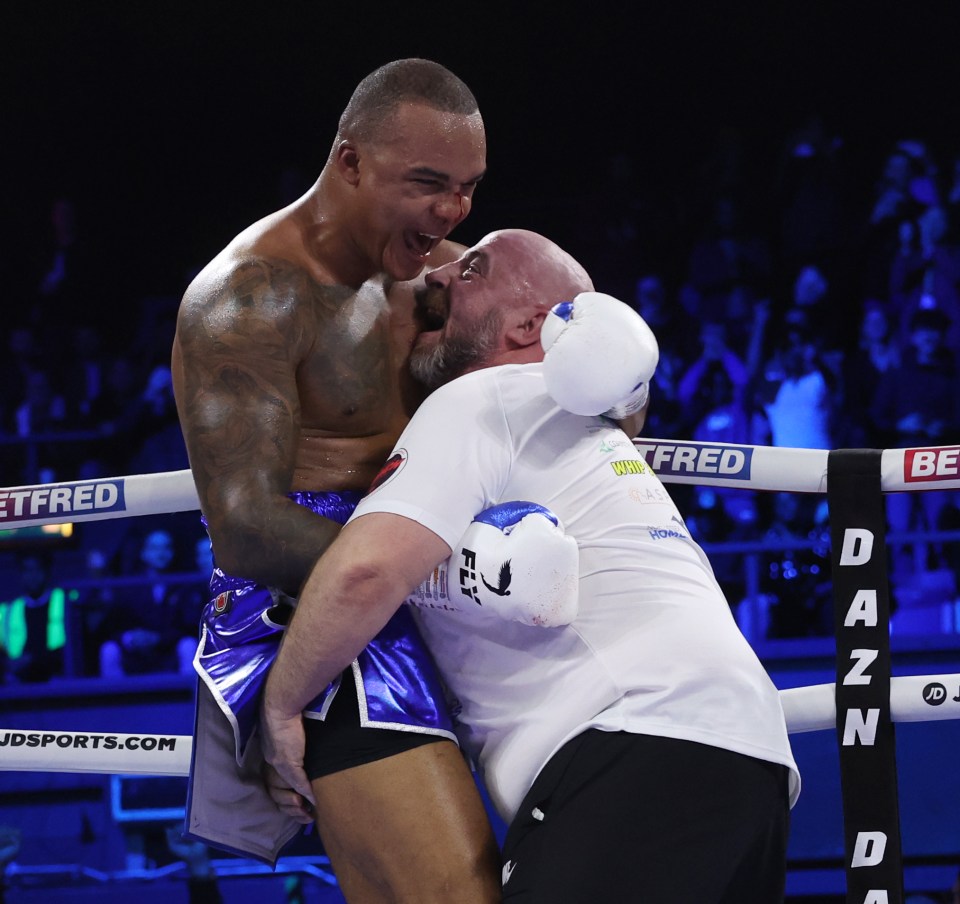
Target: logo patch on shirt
393 465
650 495
222 603
630 466
608 444
666 533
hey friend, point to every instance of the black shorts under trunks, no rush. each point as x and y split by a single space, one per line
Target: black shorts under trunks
340 742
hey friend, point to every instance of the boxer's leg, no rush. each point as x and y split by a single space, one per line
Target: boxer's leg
398 812
409 828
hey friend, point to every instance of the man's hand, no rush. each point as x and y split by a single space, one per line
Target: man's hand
352 591
284 743
287 800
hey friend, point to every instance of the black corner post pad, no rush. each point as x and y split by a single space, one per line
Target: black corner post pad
865 731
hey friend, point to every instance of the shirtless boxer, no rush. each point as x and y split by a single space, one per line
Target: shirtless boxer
290 373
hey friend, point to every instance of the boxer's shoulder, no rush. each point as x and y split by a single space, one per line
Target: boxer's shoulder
260 288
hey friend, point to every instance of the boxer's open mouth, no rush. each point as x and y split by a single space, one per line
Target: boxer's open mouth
422 243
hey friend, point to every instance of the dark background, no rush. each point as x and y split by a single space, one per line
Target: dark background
173 125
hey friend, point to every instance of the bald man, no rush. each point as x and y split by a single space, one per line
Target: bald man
639 737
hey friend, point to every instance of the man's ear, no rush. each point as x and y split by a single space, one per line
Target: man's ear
346 158
527 333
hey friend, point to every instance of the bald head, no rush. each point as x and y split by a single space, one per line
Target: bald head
532 270
413 80
494 299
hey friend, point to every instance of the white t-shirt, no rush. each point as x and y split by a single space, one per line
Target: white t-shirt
654 649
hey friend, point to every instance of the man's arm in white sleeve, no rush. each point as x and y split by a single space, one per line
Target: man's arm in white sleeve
352 591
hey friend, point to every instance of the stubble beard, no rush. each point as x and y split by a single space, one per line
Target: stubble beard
455 355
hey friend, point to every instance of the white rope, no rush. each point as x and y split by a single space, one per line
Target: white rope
24 750
912 699
746 467
774 469
916 698
770 468
98 500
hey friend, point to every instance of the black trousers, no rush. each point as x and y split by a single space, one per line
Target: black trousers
635 819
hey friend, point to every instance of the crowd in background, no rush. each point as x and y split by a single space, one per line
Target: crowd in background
796 310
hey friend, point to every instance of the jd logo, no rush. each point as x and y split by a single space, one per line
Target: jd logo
934 694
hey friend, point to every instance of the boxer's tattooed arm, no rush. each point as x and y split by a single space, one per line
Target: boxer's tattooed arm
240 341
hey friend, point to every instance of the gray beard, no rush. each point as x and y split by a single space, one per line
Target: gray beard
452 357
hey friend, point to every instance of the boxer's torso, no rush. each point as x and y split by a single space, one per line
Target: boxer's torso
350 349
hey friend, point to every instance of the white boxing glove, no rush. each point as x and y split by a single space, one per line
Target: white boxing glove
514 562
599 356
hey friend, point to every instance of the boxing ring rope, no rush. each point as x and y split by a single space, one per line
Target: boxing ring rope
717 464
763 468
811 708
